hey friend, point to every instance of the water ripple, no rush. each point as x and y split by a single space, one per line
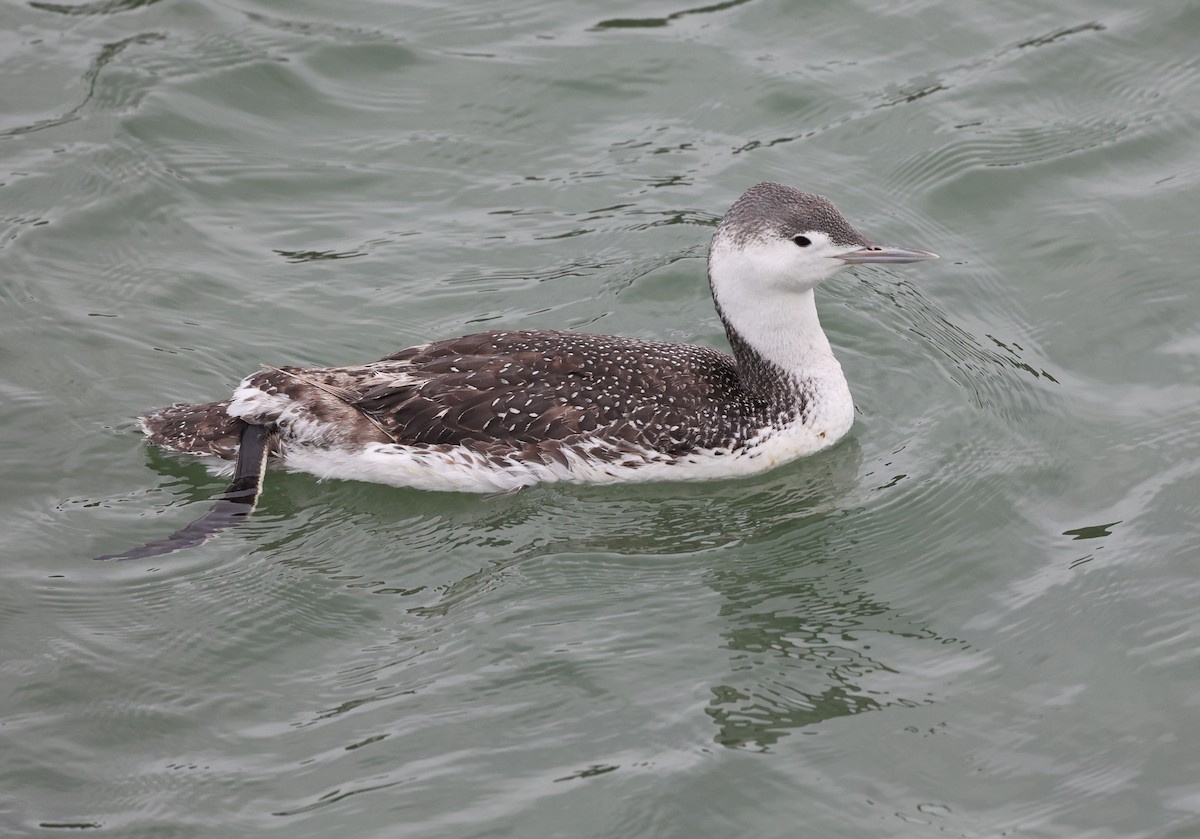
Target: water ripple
108 53
654 22
103 7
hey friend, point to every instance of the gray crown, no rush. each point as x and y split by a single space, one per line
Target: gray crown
773 211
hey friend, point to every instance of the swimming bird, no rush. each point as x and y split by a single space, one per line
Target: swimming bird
498 411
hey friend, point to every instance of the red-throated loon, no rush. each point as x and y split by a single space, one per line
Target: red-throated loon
498 411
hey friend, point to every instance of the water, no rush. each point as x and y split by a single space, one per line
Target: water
975 617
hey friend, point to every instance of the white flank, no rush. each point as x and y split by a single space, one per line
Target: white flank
460 470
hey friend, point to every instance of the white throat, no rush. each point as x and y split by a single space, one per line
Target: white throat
784 330
778 322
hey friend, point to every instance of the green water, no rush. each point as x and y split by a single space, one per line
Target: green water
974 617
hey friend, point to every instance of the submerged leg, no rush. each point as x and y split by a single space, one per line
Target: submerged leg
231 507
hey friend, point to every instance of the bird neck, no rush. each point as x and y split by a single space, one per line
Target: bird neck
779 345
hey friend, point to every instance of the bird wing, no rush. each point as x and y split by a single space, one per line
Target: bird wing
522 388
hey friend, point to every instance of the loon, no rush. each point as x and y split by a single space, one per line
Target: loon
497 411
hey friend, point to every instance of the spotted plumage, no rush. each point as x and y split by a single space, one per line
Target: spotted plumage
501 410
509 389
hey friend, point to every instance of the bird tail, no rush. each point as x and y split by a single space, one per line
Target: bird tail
205 429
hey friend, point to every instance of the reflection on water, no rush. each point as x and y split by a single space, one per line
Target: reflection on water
802 639
799 625
653 520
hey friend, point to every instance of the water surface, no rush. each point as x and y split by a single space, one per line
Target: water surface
974 617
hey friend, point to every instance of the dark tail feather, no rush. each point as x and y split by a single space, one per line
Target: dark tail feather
231 507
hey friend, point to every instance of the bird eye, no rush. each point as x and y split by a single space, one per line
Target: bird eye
802 241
